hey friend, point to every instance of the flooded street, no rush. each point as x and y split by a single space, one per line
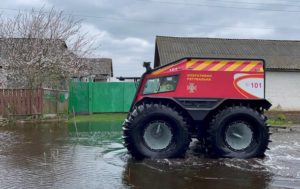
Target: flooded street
92 156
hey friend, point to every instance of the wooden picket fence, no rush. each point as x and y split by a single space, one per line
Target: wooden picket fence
27 102
21 102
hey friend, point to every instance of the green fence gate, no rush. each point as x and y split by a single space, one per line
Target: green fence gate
100 97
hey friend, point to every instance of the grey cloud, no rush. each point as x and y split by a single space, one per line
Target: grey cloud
126 29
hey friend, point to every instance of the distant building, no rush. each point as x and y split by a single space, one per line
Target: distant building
96 70
282 61
54 51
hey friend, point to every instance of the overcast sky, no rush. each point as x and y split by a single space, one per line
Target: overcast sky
126 29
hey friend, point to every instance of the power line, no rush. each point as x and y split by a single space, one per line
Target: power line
284 1
236 2
218 6
224 27
251 3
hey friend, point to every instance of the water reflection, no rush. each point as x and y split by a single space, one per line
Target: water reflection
58 155
195 173
96 133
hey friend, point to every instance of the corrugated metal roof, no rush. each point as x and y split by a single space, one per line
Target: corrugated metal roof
278 54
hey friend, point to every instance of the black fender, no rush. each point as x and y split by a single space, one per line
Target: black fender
200 108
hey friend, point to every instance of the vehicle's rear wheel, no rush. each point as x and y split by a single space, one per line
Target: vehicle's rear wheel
155 131
238 132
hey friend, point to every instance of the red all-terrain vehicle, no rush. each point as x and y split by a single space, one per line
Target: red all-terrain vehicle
218 101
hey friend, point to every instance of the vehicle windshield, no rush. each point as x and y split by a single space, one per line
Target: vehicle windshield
161 84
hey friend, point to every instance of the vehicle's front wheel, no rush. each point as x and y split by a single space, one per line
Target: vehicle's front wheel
238 132
155 131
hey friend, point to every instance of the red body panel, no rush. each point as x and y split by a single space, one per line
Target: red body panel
212 78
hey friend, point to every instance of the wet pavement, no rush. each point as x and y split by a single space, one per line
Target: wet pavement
92 156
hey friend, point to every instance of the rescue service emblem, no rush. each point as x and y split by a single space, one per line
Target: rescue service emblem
192 88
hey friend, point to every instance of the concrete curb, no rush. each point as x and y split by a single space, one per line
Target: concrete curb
283 128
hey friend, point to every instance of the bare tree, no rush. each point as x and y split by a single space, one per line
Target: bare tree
33 48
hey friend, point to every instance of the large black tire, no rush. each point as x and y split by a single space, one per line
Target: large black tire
238 132
141 120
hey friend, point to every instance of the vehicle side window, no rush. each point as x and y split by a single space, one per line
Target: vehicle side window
161 84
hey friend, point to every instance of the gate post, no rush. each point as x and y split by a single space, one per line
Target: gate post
90 100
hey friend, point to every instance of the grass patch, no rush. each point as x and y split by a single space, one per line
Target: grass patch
283 117
279 122
279 119
99 117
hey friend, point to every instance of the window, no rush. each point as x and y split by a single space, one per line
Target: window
161 84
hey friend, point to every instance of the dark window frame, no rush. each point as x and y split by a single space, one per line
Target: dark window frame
175 75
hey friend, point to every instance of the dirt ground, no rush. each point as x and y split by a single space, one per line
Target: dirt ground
290 116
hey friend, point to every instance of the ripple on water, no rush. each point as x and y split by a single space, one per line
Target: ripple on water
114 154
283 158
55 157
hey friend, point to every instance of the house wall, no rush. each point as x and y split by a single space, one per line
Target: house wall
283 90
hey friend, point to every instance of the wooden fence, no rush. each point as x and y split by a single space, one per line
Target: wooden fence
21 101
24 102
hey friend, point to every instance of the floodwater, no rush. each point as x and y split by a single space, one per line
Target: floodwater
92 156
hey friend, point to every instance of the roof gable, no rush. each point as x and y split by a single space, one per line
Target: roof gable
97 66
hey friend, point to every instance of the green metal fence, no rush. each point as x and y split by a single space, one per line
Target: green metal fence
101 97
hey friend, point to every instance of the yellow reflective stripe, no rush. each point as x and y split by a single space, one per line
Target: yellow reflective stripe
234 66
218 66
203 65
261 69
190 63
162 69
250 66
